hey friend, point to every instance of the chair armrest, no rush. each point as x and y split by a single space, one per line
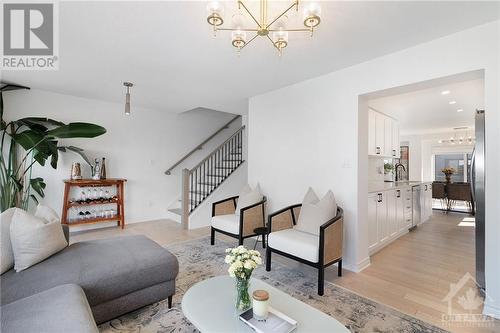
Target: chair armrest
330 238
224 207
252 217
282 219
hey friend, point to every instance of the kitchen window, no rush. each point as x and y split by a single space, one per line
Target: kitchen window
460 162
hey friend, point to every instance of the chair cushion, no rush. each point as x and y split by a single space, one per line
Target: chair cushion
297 243
6 254
228 223
313 215
106 269
60 309
248 197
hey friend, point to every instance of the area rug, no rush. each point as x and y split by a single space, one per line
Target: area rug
198 260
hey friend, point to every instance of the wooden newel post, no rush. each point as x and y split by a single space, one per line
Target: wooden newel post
185 199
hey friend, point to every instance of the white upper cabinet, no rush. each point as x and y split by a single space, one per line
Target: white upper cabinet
379 134
372 140
383 135
396 151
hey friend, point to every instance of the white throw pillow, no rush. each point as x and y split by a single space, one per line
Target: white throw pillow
6 257
314 215
310 197
47 213
34 240
248 197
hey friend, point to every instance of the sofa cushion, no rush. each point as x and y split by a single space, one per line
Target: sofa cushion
57 310
297 243
6 254
228 223
105 269
314 215
47 213
34 239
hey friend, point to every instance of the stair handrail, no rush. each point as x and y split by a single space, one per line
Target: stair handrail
200 146
216 149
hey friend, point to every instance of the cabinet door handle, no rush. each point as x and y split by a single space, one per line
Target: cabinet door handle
394 152
379 197
377 150
426 187
398 195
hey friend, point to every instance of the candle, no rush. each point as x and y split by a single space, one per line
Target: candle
260 304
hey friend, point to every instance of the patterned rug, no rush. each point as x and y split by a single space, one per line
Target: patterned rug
199 261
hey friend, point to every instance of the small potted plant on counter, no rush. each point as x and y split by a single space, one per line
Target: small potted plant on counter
388 172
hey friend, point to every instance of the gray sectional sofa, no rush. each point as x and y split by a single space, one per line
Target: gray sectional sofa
93 280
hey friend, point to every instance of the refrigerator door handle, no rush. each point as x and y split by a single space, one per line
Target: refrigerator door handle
471 176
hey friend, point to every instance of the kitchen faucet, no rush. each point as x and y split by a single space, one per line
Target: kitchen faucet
396 169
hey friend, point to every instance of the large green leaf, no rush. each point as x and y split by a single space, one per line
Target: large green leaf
77 130
77 150
40 121
3 124
37 184
28 139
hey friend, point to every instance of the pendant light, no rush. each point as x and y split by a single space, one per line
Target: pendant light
128 85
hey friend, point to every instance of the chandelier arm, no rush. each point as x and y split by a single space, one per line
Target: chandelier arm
251 40
288 30
233 29
272 43
249 13
296 3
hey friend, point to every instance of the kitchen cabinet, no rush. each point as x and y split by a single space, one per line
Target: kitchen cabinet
396 149
377 212
388 136
383 135
379 133
387 217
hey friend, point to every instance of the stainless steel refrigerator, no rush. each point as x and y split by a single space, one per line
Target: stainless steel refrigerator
477 177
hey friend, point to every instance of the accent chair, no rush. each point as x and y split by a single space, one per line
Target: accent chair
239 225
316 251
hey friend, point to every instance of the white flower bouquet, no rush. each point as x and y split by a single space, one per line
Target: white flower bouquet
242 262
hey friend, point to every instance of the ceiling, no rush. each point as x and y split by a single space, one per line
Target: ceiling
167 49
426 111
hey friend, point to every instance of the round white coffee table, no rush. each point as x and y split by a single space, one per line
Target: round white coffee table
209 305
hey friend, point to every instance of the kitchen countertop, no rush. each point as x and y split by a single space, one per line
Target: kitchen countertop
377 186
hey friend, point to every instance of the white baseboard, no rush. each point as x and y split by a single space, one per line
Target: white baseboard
359 266
491 310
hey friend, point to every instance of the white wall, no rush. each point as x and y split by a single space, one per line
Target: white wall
314 134
139 147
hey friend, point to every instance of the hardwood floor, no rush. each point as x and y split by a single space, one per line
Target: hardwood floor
412 275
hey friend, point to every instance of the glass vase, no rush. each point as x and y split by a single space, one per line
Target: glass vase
243 301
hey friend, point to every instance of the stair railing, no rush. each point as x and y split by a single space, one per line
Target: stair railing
199 182
200 146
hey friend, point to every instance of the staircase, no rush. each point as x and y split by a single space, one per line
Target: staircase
203 179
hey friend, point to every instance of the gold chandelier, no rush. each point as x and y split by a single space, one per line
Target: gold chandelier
277 35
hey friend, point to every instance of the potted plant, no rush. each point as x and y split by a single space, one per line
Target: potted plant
29 141
448 172
388 172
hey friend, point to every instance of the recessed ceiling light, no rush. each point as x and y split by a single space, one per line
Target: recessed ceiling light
445 92
460 110
453 102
